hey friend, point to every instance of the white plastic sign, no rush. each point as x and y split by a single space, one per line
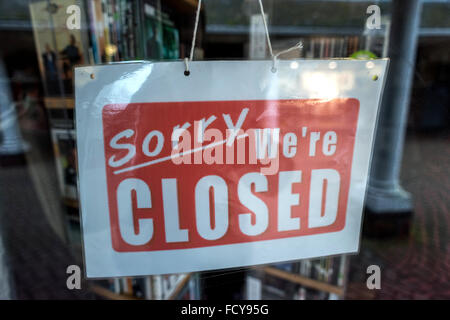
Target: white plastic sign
233 165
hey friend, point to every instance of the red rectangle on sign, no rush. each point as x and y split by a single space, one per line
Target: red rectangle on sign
286 173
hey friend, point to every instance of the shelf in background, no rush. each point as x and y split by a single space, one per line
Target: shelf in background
183 6
103 292
59 103
310 283
71 203
192 3
180 287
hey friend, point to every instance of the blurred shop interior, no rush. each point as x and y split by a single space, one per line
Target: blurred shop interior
39 209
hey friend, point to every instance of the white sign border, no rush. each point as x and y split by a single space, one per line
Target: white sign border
97 86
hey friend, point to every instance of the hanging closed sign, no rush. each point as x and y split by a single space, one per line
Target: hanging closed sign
234 165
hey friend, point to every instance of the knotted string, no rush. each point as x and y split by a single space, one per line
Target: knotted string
266 29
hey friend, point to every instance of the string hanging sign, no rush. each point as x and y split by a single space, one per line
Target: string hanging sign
239 163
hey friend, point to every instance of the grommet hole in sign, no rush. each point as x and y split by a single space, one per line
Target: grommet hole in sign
274 69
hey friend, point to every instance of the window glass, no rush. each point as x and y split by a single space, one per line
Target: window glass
404 237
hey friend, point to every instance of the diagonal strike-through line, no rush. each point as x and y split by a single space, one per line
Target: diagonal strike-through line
163 159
